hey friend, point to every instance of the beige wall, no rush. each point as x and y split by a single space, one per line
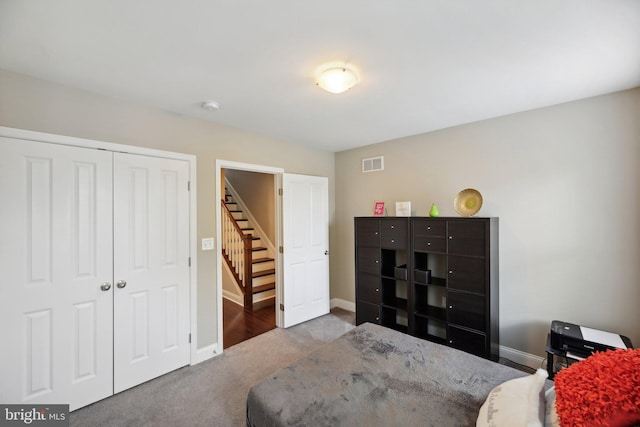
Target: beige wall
564 181
37 105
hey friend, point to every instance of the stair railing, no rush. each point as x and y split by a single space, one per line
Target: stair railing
236 249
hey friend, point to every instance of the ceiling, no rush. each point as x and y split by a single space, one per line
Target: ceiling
424 64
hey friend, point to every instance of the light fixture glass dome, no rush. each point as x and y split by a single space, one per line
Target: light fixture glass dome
338 79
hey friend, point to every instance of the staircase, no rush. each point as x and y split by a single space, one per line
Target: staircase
246 256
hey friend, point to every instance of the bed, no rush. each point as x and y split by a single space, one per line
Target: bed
376 376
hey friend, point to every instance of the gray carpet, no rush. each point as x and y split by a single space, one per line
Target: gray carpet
213 393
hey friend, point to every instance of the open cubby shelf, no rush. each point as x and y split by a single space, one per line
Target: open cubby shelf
433 281
395 302
431 312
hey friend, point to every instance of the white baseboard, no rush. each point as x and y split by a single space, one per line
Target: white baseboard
206 353
343 304
236 299
521 357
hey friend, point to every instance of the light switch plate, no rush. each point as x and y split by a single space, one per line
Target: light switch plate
207 244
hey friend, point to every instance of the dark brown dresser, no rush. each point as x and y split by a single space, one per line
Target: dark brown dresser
434 278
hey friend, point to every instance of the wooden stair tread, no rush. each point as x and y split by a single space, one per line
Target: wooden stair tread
261 260
262 288
262 273
233 207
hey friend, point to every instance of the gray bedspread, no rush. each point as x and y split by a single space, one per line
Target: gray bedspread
374 376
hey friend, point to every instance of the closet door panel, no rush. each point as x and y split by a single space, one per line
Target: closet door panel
151 256
55 254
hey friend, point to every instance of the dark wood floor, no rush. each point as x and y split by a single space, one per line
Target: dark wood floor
239 325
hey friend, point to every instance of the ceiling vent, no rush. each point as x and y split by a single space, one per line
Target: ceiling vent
373 164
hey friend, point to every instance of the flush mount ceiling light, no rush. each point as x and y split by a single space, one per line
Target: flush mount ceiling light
337 79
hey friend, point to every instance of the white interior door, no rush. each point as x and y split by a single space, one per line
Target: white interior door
151 268
55 253
305 219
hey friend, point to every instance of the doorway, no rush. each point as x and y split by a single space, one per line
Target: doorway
301 206
248 206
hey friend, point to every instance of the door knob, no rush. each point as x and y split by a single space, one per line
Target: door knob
121 284
105 286
326 252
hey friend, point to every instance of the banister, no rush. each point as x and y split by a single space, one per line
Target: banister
233 220
237 251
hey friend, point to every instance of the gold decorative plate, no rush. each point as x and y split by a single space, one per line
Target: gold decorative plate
468 202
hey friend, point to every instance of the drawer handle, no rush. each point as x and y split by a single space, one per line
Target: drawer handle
376 233
393 241
450 271
377 261
429 228
393 226
377 318
450 341
450 306
450 237
428 243
377 290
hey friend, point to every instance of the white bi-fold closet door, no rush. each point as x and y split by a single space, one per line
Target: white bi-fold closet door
94 253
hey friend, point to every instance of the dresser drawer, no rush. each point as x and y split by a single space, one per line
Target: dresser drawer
367 232
426 227
467 238
367 312
429 244
467 274
393 234
466 310
368 288
369 260
468 341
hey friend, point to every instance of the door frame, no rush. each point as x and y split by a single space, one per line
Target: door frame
132 149
277 173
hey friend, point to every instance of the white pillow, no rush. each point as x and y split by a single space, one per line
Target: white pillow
515 403
551 418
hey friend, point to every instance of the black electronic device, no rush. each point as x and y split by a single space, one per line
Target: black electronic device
584 341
